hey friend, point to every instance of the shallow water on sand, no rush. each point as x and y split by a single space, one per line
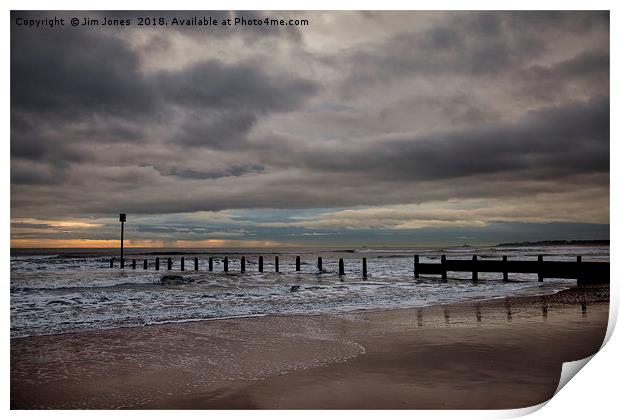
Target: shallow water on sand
58 291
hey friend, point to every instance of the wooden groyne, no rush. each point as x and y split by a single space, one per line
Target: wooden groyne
586 272
242 262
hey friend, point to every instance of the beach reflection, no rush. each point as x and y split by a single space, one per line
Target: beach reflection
539 308
543 306
508 311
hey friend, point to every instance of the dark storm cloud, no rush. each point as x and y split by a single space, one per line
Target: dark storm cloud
72 74
235 171
225 101
570 139
72 86
219 86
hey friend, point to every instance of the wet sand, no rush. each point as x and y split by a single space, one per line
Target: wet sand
501 353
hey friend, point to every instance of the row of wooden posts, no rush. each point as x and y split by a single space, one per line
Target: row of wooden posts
260 264
584 272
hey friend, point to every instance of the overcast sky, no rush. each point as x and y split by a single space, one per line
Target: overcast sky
360 128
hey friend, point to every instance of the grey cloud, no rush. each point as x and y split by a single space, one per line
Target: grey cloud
588 72
69 73
224 102
72 86
472 44
245 86
234 171
573 138
27 172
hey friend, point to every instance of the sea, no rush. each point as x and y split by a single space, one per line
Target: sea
56 291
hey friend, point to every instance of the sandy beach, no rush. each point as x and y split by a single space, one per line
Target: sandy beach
498 353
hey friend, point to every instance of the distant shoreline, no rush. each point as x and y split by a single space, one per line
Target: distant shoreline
586 242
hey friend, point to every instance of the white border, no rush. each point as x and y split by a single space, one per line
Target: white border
591 395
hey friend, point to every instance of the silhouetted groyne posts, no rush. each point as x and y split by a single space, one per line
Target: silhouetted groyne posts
474 273
341 270
444 272
585 272
540 274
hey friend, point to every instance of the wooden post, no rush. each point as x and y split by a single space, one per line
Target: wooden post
195 263
157 263
444 272
297 263
111 262
182 263
364 268
505 261
169 263
243 264
210 263
122 219
341 267
133 264
319 263
277 262
540 267
145 266
122 262
474 273
416 261
260 264
225 264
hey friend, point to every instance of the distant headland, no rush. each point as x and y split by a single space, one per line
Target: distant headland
585 242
